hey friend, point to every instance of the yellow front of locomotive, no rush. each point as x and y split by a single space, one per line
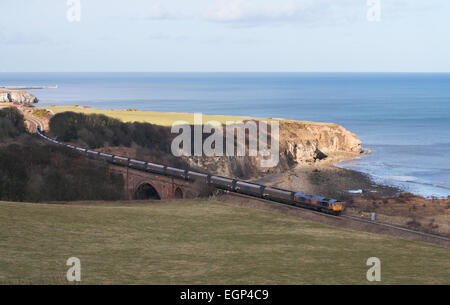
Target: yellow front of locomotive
337 207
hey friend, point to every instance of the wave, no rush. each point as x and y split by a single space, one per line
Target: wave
411 179
406 183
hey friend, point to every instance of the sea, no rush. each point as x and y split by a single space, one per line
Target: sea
403 118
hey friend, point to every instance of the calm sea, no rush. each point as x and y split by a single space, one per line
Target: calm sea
403 118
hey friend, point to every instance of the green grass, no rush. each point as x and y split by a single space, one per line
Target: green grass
157 118
199 243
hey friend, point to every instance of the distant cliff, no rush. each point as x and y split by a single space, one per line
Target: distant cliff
17 97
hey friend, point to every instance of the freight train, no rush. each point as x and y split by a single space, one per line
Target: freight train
317 203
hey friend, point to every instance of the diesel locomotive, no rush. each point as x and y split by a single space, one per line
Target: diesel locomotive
317 203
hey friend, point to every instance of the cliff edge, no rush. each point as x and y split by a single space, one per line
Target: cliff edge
312 142
301 143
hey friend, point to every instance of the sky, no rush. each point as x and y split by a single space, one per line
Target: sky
225 36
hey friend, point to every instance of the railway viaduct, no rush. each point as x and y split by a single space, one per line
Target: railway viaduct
141 185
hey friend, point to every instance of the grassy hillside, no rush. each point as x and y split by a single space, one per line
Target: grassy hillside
157 118
199 243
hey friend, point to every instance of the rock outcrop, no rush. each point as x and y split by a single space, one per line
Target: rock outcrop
300 143
17 97
311 142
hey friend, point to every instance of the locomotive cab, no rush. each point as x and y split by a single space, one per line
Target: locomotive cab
337 206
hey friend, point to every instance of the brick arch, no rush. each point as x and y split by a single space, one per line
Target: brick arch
146 191
179 194
166 187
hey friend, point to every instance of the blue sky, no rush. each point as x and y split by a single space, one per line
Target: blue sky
225 35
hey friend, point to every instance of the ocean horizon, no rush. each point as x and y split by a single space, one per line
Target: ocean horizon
403 118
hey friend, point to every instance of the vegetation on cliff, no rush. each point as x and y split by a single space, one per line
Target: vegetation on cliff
98 131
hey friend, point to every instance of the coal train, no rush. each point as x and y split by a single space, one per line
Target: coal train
317 203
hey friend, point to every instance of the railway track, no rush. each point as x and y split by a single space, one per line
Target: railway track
33 121
353 218
344 221
397 227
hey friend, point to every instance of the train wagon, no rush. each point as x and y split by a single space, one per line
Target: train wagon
298 199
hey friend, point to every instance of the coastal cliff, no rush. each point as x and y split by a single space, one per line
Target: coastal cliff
301 143
17 97
311 142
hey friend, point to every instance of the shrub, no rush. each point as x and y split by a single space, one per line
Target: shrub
11 123
41 112
34 172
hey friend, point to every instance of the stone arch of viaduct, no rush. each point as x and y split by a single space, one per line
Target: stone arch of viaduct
142 185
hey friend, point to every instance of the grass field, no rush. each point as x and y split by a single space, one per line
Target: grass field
199 243
158 118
